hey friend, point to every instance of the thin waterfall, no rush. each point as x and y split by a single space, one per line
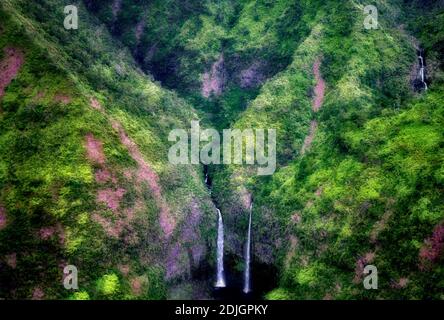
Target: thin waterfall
220 283
220 276
422 70
247 284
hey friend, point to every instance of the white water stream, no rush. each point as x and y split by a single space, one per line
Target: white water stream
220 282
247 284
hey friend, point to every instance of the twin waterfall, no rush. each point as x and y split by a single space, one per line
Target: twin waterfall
220 276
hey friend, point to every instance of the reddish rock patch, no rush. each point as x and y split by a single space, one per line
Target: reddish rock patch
296 217
173 262
136 286
3 219
95 104
139 30
213 81
319 89
102 175
111 197
360 265
318 192
40 95
146 174
432 249
94 149
380 226
328 296
400 284
46 233
112 229
246 198
252 76
9 67
291 251
11 260
38 294
65 99
309 139
191 234
124 269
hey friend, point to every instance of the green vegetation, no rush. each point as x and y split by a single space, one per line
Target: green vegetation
50 188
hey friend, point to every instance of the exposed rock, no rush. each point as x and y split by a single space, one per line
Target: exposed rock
94 149
103 176
146 174
252 76
3 218
11 260
111 197
139 30
138 284
176 262
400 284
310 137
95 104
360 265
47 233
296 217
9 67
380 226
124 269
319 89
38 294
112 229
213 82
291 251
189 250
62 98
433 248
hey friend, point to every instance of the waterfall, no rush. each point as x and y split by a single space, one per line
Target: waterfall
220 276
422 70
220 283
247 285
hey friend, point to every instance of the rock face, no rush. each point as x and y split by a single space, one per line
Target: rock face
3 219
9 67
252 76
213 81
319 89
